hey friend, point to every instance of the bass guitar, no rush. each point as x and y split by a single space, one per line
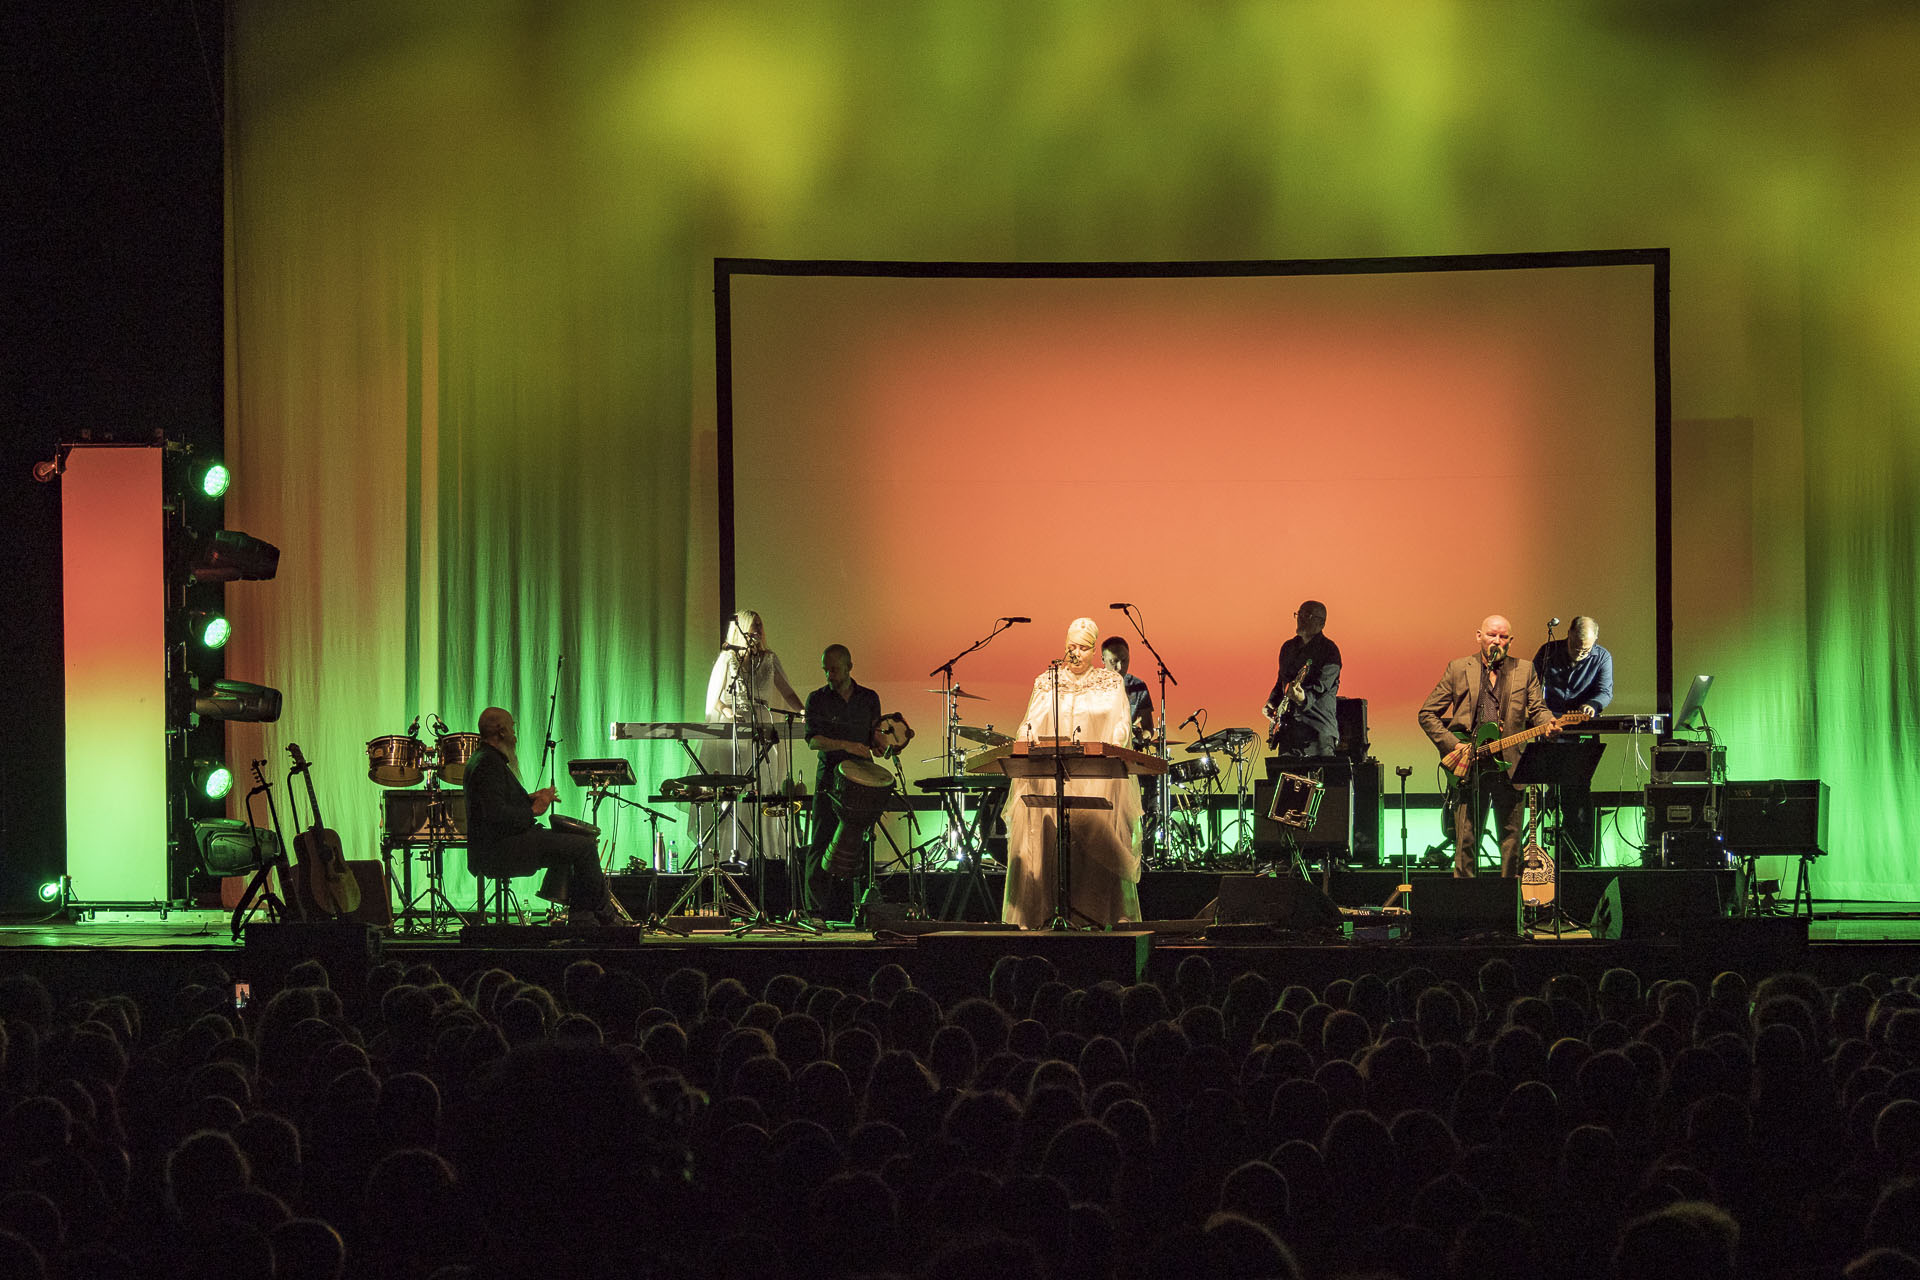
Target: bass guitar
1487 744
1283 712
322 875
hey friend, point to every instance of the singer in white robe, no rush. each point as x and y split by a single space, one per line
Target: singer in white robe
745 660
1093 707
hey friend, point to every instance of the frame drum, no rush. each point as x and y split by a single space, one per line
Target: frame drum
1296 801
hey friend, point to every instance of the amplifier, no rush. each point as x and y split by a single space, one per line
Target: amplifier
1675 762
414 817
1782 816
1688 807
1350 723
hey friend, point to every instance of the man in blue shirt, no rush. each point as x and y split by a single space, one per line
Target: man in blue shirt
1576 672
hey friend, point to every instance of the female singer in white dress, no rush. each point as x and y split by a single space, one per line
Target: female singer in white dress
747 669
1106 870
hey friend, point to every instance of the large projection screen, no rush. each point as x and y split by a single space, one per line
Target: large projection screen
910 452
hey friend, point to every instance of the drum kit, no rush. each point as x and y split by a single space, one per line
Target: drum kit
422 823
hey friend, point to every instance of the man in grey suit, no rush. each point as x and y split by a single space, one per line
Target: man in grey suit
1489 686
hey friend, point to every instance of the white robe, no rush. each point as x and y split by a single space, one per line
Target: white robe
717 755
1106 869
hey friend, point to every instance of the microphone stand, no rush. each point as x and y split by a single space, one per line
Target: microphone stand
1162 795
547 762
1062 825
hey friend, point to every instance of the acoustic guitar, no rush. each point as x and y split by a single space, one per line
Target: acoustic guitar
322 872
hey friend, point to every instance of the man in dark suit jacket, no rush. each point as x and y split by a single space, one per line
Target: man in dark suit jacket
1487 686
503 840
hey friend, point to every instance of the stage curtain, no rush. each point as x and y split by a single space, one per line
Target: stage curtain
470 351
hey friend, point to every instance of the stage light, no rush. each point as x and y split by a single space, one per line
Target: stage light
210 629
227 555
237 700
50 891
212 779
214 479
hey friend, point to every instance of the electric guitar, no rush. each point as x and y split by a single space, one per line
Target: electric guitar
1283 713
1487 744
330 888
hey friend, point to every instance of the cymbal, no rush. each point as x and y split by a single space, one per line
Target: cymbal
990 737
1228 740
958 692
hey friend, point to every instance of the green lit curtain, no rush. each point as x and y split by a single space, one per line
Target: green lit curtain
470 365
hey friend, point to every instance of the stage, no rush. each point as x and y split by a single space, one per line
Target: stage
150 954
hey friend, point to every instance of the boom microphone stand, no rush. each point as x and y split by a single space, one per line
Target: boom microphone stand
1162 784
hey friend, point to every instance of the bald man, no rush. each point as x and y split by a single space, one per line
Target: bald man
1488 686
504 841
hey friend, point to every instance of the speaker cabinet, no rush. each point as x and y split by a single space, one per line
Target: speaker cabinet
1446 907
1350 723
1348 824
1783 816
1287 901
1647 903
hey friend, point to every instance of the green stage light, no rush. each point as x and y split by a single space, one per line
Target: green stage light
50 891
215 479
212 779
210 629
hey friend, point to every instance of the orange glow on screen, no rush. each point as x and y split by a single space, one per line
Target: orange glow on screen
918 456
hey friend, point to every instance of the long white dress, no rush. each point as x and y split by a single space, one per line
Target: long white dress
717 754
1106 869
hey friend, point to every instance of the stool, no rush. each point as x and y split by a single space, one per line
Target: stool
496 902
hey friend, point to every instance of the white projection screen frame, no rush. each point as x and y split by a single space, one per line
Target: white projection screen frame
908 452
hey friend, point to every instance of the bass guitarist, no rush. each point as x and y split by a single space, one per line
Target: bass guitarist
1487 687
1301 706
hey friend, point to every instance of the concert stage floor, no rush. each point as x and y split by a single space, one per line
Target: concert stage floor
150 955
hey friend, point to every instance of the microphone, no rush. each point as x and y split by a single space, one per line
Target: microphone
414 727
1119 606
1189 720
1016 619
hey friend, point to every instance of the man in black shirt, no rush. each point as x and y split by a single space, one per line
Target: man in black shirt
1302 702
1116 653
504 841
841 721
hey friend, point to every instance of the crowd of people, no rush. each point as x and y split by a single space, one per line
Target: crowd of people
1409 1127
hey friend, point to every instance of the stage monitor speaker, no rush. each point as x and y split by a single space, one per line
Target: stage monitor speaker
1333 827
1288 901
1647 903
1783 816
1447 907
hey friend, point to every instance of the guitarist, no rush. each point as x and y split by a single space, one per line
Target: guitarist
1487 687
1301 705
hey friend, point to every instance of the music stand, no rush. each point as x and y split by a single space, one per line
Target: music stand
1556 762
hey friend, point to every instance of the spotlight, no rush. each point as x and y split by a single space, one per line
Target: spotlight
210 629
227 555
237 700
50 891
214 479
212 779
